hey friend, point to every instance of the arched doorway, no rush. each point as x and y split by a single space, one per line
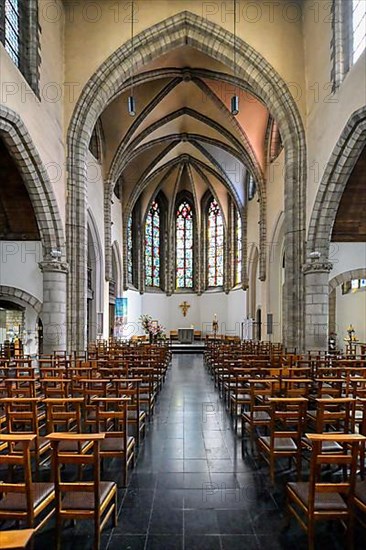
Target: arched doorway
328 204
42 223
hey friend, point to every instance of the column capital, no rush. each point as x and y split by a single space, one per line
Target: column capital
317 267
54 266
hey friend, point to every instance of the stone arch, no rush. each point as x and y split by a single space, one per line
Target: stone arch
207 37
338 170
359 273
36 179
22 295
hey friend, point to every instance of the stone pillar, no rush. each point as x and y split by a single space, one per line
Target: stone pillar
54 305
316 305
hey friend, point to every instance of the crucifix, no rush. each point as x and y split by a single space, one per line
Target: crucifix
184 307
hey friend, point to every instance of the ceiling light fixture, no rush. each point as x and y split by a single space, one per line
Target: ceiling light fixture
234 107
131 99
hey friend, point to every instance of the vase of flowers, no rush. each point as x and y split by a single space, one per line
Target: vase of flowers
152 328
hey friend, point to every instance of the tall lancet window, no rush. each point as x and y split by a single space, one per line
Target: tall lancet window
238 248
12 29
358 28
129 251
184 245
152 246
215 246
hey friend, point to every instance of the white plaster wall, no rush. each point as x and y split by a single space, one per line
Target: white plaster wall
19 266
322 125
346 256
350 310
96 208
134 310
230 310
43 118
19 269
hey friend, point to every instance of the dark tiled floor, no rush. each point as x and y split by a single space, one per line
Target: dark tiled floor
192 489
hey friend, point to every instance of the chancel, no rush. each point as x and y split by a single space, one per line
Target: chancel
182 254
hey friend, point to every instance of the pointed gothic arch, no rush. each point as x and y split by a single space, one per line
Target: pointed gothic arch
207 37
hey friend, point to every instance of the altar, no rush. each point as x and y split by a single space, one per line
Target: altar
185 335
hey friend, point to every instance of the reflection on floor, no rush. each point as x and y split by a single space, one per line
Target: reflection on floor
192 489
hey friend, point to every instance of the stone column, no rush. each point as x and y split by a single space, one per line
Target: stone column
316 305
54 305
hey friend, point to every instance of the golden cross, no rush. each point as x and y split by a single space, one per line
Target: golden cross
184 307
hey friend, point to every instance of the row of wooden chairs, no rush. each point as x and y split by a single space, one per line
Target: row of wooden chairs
292 405
77 413
34 503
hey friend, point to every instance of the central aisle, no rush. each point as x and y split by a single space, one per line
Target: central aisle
191 488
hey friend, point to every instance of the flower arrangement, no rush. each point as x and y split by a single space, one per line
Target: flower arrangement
155 330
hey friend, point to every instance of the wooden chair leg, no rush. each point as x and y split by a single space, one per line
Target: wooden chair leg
350 531
97 535
58 533
311 533
115 515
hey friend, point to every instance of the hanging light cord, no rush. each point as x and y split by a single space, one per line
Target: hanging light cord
234 105
133 42
234 38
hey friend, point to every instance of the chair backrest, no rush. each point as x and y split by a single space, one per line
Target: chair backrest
65 413
21 414
336 413
288 417
321 459
111 416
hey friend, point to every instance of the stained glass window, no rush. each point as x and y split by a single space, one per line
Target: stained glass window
215 246
12 29
152 246
184 245
358 28
129 251
238 248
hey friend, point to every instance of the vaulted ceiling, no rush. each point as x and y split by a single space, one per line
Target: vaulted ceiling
183 136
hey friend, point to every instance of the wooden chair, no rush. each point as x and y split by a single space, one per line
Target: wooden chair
317 500
24 500
23 415
65 415
285 432
111 419
258 414
15 540
147 388
360 501
335 415
94 500
92 387
238 389
136 417
55 387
